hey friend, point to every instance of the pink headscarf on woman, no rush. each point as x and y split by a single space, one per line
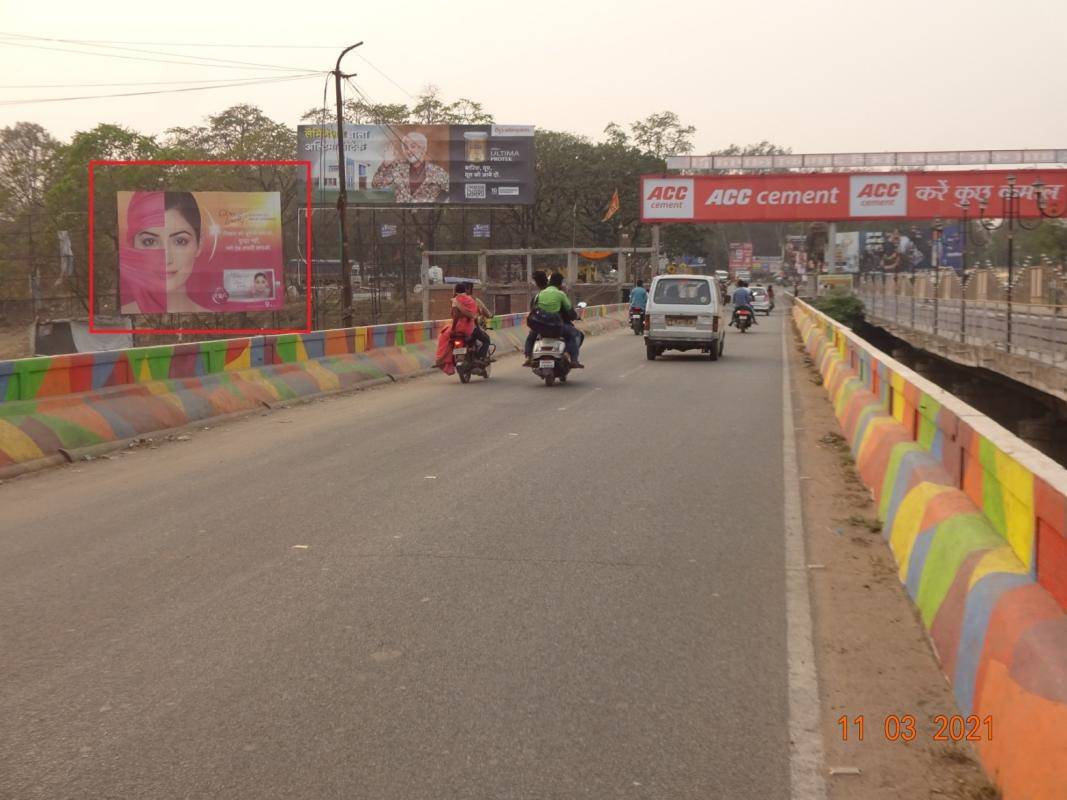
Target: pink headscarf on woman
143 273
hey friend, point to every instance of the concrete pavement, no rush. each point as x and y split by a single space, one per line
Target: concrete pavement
497 590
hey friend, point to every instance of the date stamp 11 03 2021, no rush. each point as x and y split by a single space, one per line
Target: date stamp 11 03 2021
907 727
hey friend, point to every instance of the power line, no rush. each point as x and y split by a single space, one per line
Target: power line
211 44
380 72
189 60
249 82
134 83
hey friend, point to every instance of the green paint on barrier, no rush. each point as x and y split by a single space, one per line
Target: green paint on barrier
27 379
69 433
285 347
955 539
928 411
992 496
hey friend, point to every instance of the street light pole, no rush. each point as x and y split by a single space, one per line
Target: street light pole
342 194
964 206
939 226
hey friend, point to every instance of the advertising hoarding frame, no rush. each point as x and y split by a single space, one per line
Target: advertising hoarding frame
190 163
835 196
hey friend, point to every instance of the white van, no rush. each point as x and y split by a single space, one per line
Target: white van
684 312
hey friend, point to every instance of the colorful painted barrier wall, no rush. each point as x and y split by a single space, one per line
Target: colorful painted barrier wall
74 401
977 522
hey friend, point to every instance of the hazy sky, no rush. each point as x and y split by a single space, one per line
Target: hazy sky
820 75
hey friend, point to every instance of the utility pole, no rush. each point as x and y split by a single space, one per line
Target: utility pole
342 194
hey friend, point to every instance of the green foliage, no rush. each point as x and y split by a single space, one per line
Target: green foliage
845 308
660 135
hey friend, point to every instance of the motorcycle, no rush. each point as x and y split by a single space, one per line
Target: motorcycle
467 362
548 359
637 321
744 319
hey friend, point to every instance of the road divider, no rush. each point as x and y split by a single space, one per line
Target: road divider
977 522
55 404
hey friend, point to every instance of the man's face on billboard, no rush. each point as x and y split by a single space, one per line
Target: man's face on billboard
414 149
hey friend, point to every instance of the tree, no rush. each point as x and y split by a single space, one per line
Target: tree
663 135
26 154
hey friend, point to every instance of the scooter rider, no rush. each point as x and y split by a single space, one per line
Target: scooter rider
554 300
478 334
639 297
743 299
541 280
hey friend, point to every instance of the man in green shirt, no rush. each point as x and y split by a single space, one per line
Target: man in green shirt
554 300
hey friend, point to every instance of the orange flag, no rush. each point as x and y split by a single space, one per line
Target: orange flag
613 207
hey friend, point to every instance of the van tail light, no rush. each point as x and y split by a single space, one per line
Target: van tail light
715 324
648 322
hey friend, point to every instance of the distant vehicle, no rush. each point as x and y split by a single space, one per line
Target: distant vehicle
761 301
743 275
722 275
684 313
744 319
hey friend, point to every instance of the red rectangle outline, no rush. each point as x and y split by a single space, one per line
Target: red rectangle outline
211 331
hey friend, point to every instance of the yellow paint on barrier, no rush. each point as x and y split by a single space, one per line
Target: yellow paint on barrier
16 445
1017 493
243 361
327 380
908 521
1003 559
896 382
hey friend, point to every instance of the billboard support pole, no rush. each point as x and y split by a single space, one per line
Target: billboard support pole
342 194
655 250
830 260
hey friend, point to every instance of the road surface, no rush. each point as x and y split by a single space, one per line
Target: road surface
431 590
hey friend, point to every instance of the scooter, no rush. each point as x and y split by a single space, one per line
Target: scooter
744 319
467 363
548 358
637 321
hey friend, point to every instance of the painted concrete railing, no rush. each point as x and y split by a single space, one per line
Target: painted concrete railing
55 403
977 522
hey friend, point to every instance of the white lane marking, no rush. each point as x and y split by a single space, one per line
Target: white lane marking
805 737
632 371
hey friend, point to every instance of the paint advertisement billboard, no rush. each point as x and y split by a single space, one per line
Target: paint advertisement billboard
422 164
740 256
215 252
834 197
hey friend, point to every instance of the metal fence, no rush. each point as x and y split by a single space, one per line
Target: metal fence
1034 330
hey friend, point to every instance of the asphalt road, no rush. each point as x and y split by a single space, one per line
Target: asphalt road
431 590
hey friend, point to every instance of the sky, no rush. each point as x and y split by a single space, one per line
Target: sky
815 76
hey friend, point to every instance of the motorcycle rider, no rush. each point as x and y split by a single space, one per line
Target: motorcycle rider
481 313
541 280
639 298
743 299
555 301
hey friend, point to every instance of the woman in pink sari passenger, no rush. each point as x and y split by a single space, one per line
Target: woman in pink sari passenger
464 314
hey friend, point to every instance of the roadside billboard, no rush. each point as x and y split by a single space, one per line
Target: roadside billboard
834 197
740 256
212 252
422 164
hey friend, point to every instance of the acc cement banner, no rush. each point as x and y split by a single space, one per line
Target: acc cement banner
424 164
846 196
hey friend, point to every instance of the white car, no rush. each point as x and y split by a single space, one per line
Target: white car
761 301
685 312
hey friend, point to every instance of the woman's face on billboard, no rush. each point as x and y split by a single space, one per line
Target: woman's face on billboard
260 286
178 238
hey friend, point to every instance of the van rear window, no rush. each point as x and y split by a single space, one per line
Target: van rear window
683 292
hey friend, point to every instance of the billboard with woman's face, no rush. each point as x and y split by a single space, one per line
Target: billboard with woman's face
182 252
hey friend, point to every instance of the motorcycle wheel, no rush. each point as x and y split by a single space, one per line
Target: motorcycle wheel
549 380
486 371
562 378
464 375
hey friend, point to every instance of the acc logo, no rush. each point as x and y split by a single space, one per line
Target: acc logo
668 193
878 195
880 190
729 197
667 198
